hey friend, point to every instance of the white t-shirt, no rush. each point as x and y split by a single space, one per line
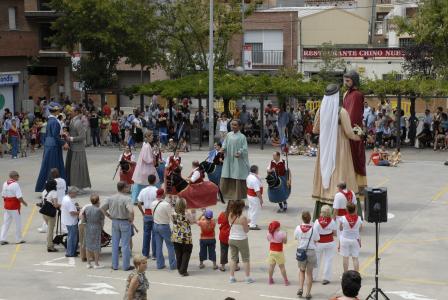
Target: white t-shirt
340 202
11 190
304 237
51 195
223 125
147 196
162 215
68 206
253 182
327 230
348 232
61 186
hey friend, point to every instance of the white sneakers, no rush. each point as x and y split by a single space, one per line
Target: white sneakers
43 228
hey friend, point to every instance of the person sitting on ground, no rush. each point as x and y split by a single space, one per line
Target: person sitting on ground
395 158
294 150
137 284
275 140
351 284
375 157
311 150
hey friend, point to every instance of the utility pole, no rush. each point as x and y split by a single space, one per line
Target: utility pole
372 22
211 115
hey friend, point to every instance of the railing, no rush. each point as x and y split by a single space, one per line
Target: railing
267 58
379 2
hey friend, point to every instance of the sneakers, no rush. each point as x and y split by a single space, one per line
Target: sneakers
249 280
4 243
254 228
43 228
232 280
271 281
97 267
21 242
89 266
287 282
325 282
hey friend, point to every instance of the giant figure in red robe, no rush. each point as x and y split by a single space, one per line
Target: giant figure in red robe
354 105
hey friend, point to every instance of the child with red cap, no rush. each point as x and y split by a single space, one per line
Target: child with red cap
277 238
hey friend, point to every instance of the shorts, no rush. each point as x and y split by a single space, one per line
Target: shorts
239 246
349 247
310 262
276 257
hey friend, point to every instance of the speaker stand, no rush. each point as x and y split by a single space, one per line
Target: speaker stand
376 290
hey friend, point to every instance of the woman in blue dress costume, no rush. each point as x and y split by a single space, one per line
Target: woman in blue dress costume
279 181
53 145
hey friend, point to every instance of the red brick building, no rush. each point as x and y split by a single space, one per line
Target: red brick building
29 64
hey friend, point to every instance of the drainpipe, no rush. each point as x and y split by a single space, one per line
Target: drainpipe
299 53
372 22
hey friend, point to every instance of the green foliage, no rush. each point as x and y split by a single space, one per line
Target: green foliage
185 34
331 65
430 29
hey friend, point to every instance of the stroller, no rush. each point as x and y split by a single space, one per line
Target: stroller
61 238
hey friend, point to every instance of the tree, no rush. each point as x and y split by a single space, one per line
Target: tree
332 65
430 31
419 60
185 26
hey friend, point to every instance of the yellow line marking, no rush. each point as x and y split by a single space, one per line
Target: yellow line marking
24 232
421 241
441 192
371 259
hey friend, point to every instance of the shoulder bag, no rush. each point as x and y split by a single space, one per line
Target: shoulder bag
301 253
48 208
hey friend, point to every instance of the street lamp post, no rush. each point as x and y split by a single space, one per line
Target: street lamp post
210 82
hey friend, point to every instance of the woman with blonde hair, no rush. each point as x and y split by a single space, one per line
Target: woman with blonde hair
181 236
137 284
326 246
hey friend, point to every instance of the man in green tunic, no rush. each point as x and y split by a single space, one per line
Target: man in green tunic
235 167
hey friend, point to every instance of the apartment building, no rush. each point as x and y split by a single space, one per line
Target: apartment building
289 33
29 64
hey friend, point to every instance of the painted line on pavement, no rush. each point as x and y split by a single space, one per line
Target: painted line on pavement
172 284
417 280
440 193
24 232
277 297
371 259
47 271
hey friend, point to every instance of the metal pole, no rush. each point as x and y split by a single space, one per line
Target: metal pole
242 30
200 116
142 97
372 22
262 122
210 81
398 116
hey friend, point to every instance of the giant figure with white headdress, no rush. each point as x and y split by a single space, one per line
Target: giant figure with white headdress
334 161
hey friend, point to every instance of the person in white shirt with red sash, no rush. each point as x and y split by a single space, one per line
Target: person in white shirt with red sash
350 239
13 198
326 246
254 197
342 197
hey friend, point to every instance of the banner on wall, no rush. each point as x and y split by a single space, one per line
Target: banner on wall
310 53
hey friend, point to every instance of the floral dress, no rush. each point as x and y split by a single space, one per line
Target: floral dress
143 286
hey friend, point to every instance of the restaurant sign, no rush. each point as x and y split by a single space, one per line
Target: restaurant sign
310 53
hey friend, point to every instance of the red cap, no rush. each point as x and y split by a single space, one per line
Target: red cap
273 226
160 193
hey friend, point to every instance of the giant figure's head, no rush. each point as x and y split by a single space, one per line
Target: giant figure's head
351 79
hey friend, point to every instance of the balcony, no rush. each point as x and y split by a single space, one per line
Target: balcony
41 13
267 59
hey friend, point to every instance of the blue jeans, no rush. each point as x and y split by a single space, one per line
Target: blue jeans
207 247
147 234
121 231
95 132
72 240
162 232
15 145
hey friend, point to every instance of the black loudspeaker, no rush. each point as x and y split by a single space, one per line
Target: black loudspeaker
375 205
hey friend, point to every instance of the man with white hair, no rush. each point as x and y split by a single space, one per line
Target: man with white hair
334 161
12 197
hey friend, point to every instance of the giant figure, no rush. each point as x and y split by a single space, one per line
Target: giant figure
334 160
354 105
53 144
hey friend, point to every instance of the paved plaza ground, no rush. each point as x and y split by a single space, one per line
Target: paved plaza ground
413 243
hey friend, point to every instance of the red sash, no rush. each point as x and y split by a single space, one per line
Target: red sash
340 212
127 157
351 219
11 203
252 193
278 247
326 238
148 212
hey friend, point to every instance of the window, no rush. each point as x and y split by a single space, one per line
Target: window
45 33
44 5
405 42
12 18
257 52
